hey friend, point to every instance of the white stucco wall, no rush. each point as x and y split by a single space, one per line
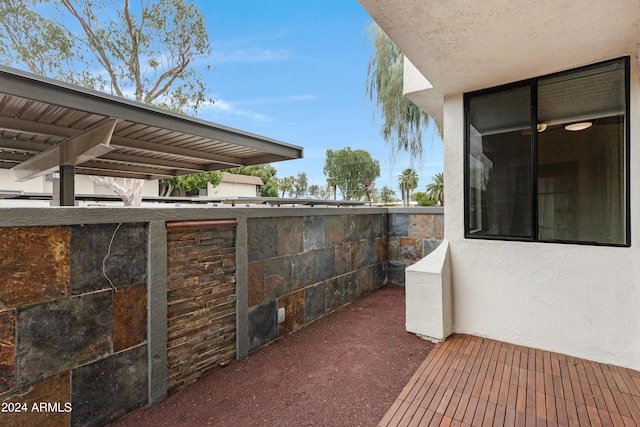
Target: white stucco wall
8 182
579 300
232 189
419 90
83 185
429 308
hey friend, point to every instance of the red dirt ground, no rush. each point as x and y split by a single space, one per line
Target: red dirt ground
345 369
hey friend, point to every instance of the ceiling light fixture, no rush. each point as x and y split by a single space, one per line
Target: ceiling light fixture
541 127
574 127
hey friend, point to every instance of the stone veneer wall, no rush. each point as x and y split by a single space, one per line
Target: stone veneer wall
412 236
201 299
68 335
310 266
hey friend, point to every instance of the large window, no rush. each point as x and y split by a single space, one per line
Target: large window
547 159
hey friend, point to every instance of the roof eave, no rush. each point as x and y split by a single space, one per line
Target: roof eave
30 86
460 46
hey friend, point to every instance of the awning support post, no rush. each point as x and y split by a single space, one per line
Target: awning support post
67 185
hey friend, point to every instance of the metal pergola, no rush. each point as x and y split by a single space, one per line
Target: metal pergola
47 126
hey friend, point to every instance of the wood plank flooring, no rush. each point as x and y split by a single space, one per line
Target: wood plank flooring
471 381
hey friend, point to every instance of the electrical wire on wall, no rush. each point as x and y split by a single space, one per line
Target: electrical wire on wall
104 261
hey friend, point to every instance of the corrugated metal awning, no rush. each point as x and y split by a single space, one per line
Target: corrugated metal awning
37 113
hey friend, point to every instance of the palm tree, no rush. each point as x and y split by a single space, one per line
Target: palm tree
286 184
408 181
435 190
301 184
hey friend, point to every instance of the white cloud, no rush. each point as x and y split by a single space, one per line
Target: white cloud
251 55
277 100
222 109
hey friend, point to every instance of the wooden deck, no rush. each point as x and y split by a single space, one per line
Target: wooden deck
471 381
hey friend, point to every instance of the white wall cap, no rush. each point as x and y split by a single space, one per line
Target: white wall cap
432 263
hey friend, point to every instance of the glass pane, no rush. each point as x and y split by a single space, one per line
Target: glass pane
581 164
499 164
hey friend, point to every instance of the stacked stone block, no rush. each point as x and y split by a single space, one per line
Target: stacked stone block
411 238
310 266
201 299
73 314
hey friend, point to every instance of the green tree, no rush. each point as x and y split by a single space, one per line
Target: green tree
192 183
320 192
403 122
387 195
33 41
144 52
325 192
422 199
266 173
346 168
286 184
314 191
407 181
301 184
435 190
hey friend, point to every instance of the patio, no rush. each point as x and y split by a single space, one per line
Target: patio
344 369
466 380
471 381
197 289
315 377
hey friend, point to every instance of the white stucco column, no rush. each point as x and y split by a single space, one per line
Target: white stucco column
428 289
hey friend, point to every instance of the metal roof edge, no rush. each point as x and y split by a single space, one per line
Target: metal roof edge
27 85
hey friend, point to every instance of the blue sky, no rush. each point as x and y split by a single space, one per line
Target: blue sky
295 71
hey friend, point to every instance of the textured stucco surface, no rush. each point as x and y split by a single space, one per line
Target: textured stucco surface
429 306
574 299
460 46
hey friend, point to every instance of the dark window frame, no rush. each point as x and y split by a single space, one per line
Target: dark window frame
533 85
